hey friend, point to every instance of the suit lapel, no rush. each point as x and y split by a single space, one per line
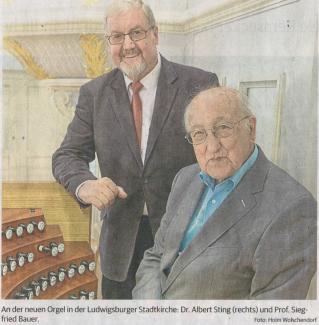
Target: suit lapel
122 108
238 204
165 95
180 222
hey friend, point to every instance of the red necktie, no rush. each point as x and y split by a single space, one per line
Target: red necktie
137 109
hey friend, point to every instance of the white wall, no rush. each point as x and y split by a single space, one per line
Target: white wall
36 115
264 47
173 46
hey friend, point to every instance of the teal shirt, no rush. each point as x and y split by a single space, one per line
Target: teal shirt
213 196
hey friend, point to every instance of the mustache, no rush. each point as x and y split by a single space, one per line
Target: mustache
130 52
216 157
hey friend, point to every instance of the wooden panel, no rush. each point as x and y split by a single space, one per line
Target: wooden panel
58 206
8 215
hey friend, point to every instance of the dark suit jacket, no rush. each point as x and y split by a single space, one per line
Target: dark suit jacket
259 244
103 124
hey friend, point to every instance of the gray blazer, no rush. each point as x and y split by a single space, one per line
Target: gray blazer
259 244
103 125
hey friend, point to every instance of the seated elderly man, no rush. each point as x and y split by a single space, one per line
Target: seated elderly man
236 226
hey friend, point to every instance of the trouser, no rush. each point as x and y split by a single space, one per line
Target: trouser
123 290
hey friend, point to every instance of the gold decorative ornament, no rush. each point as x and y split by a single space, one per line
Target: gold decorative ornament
7 2
94 55
90 3
26 58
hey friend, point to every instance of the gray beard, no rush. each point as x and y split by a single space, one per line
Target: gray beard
134 72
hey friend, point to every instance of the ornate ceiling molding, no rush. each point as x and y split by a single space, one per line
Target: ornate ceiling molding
26 58
76 49
238 11
59 28
94 55
193 19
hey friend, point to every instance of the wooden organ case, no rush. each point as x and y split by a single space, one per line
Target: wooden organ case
38 264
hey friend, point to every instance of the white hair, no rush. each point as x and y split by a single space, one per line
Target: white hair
232 97
119 6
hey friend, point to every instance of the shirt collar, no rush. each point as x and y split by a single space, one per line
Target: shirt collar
236 177
150 80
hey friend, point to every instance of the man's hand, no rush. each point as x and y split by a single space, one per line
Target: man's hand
101 192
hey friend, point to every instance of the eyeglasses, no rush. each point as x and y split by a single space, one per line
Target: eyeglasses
135 35
220 130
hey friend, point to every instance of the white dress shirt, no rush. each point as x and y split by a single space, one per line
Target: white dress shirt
147 95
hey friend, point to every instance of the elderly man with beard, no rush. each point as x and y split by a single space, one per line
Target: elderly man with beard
236 226
131 119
